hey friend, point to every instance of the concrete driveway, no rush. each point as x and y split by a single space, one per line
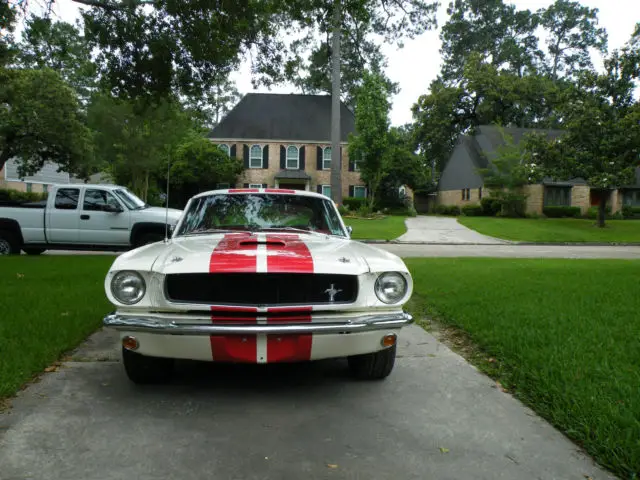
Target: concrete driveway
436 417
427 229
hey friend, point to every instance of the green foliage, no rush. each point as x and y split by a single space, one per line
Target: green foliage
353 203
512 204
592 213
16 196
630 212
472 210
61 47
490 206
343 210
42 123
134 138
447 210
561 211
199 165
370 144
7 26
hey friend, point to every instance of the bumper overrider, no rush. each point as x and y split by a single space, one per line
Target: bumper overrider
168 325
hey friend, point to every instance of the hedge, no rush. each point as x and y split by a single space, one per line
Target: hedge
560 212
473 210
16 197
447 210
491 206
353 203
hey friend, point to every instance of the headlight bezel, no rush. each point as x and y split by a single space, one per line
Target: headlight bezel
383 297
117 295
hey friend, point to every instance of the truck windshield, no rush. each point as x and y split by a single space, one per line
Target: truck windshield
256 212
129 199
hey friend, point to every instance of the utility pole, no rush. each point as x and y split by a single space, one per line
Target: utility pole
336 158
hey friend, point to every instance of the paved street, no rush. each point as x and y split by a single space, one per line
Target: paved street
428 229
513 251
436 417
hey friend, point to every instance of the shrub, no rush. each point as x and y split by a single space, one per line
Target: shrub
512 205
353 203
592 213
474 210
447 210
406 211
490 206
630 212
561 212
16 197
343 210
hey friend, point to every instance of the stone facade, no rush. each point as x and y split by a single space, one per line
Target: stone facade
581 197
535 199
457 197
267 176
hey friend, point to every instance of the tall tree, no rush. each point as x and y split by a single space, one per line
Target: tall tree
40 122
572 31
61 47
370 144
216 101
502 35
7 25
602 143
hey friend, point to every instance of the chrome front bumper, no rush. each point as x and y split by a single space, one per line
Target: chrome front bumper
169 326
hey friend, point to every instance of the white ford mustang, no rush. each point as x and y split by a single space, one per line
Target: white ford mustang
258 276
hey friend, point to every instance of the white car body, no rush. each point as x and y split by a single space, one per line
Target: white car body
47 226
261 332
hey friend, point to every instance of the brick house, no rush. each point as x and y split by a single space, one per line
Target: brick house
461 183
284 141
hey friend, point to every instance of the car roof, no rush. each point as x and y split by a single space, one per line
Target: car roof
276 191
87 185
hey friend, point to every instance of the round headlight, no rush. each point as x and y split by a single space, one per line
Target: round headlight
391 287
128 287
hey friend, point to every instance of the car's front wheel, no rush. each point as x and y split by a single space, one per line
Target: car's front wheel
373 366
144 370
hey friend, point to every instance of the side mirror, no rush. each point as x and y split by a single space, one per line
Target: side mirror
112 208
349 229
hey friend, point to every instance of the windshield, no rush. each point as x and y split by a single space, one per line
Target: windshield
129 199
255 212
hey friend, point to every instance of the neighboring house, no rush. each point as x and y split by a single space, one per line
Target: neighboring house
44 179
40 182
284 141
461 183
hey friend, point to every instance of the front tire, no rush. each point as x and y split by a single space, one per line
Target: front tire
9 244
33 251
373 366
145 370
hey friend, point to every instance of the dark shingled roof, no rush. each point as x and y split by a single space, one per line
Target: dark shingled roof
270 116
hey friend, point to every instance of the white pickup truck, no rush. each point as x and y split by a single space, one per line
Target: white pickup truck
82 217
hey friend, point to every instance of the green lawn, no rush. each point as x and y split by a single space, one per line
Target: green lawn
387 228
566 334
49 305
555 229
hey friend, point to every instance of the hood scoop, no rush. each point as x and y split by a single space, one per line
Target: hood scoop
279 243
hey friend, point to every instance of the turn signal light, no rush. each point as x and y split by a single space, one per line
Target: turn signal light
130 343
389 340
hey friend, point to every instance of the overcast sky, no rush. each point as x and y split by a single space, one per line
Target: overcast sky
418 63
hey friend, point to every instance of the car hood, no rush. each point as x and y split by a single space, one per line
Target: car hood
262 253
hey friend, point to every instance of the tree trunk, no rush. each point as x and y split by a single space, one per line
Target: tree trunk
602 209
336 158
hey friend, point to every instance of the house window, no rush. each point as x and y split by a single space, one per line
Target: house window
223 186
255 185
557 196
631 197
326 158
29 187
293 158
466 194
326 190
225 148
360 191
356 167
255 157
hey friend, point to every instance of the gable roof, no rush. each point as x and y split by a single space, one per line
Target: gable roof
284 117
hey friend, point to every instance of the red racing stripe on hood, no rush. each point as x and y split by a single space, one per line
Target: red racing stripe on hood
230 256
293 257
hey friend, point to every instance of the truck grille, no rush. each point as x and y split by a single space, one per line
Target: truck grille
261 288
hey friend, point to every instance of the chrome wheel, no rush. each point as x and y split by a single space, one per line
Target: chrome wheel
5 247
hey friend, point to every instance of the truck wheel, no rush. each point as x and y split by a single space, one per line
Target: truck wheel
9 244
373 366
145 370
33 251
147 238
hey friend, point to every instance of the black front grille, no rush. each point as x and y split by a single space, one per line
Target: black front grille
261 288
